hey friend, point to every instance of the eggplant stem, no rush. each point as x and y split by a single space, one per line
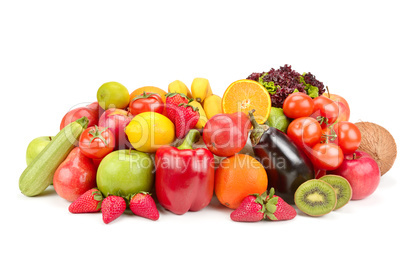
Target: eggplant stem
258 130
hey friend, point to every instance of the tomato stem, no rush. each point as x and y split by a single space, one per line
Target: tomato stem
98 134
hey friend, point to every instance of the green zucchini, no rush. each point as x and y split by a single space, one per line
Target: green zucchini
39 173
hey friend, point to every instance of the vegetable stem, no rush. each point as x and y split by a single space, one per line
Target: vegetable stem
192 136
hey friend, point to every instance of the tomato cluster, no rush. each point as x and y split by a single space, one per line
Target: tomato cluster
319 130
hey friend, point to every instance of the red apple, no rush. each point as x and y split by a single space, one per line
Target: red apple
74 176
362 172
344 110
116 120
91 111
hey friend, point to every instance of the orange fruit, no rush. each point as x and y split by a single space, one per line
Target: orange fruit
150 89
245 95
237 177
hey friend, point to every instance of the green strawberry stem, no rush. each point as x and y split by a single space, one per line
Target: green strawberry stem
192 137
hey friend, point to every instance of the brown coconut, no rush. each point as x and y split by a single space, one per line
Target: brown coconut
379 143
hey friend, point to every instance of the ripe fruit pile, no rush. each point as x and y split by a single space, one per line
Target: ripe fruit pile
117 153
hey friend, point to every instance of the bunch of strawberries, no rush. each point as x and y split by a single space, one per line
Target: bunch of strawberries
112 207
258 207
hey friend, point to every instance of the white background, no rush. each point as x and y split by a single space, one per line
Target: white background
54 55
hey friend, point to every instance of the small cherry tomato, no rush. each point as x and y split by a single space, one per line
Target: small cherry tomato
146 102
96 142
325 110
304 131
298 105
326 156
348 136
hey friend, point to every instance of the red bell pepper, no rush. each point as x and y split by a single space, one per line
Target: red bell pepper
184 179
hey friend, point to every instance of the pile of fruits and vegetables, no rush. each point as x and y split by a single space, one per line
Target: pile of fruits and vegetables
153 149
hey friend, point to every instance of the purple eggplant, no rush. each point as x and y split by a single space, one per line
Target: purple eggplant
286 165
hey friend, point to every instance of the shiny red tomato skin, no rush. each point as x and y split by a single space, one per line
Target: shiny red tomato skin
326 156
326 111
148 102
96 147
298 105
348 136
304 131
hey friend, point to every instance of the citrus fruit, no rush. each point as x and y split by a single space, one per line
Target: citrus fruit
113 95
149 89
245 95
149 130
237 177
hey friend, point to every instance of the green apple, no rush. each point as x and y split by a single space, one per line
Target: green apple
125 172
36 146
113 95
278 119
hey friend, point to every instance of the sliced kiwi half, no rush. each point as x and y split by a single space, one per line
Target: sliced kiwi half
315 197
342 189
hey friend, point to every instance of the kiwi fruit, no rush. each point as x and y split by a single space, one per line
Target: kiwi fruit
315 197
342 189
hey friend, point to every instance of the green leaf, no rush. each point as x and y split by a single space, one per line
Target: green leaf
312 91
272 217
271 192
269 86
271 208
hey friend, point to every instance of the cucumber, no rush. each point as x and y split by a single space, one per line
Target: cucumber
39 173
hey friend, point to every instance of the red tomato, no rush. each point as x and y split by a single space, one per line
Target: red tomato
304 131
96 142
147 102
327 156
298 105
326 111
348 136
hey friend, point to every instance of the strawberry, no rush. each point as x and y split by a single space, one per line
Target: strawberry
90 201
277 209
172 102
259 207
112 208
142 204
186 118
250 209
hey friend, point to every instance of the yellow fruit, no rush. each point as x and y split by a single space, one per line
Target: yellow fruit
178 86
113 95
200 89
148 131
203 117
212 105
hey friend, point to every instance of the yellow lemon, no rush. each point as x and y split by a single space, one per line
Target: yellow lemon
148 131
